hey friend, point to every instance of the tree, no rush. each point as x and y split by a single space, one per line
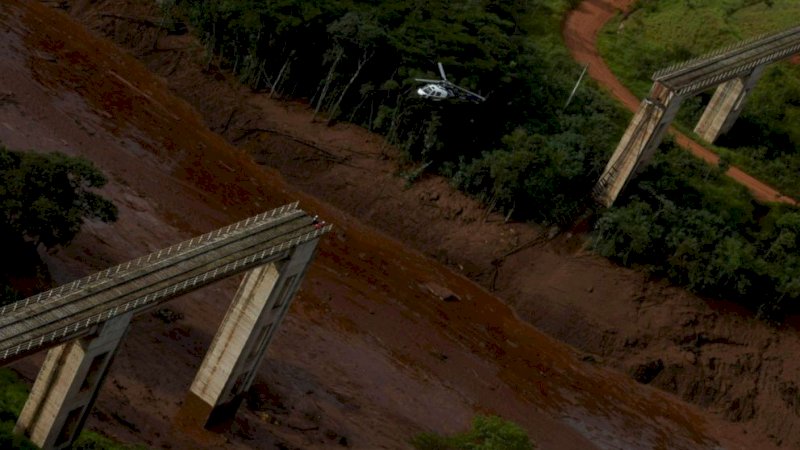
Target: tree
487 433
628 233
547 177
45 198
362 34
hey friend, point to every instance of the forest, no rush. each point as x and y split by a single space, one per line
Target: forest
525 152
357 60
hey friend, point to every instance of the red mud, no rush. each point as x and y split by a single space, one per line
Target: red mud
368 354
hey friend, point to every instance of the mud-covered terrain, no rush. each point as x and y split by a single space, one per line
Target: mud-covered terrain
369 355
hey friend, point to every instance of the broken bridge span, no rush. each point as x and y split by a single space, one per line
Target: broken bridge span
735 70
83 322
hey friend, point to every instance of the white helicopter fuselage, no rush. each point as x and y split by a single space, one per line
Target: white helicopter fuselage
433 91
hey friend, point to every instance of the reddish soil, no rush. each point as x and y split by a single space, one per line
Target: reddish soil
580 34
368 353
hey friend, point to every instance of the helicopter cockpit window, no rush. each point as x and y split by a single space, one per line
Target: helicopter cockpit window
433 91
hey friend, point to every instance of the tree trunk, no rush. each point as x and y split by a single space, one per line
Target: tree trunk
361 62
371 112
262 73
280 73
360 104
328 79
390 136
211 47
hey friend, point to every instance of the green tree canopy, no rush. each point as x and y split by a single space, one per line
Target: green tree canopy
45 198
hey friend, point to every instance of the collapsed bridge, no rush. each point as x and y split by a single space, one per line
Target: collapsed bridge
83 322
735 70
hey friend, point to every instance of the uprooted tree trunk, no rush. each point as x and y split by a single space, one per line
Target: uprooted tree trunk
339 52
366 56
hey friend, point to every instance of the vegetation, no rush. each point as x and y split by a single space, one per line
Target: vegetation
487 433
685 220
45 198
13 393
521 151
766 138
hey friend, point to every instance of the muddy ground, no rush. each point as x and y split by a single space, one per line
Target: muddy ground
368 356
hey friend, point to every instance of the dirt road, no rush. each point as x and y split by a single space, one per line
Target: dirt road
580 34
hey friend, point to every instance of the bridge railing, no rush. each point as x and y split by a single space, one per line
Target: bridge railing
168 292
729 51
191 244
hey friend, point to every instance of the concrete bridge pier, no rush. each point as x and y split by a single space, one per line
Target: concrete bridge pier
67 385
230 365
725 106
641 138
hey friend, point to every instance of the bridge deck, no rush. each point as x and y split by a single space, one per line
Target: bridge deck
71 310
695 75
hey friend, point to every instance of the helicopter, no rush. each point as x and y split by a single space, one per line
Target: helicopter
442 89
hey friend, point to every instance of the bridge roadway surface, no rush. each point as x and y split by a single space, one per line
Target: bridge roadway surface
695 75
72 310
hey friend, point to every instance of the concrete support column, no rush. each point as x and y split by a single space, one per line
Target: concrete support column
67 385
257 310
725 106
636 148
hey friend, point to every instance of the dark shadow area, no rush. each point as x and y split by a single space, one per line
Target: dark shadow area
22 272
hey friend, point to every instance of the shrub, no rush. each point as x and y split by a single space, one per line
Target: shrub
487 433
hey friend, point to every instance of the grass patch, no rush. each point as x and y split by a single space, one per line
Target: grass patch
13 393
